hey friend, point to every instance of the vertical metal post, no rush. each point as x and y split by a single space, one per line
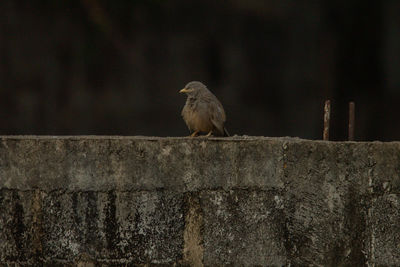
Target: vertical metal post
327 118
351 120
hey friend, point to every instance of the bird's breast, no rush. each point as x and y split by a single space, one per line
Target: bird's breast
196 119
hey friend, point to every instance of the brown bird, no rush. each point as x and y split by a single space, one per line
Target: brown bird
202 111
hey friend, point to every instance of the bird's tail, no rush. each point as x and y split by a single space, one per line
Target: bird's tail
226 132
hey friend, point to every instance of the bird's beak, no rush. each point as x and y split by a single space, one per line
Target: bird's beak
184 90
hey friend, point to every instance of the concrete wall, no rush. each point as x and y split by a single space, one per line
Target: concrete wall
240 200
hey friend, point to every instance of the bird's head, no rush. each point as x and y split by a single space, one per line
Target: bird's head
193 89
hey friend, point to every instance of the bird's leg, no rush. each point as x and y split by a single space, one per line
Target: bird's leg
209 134
194 134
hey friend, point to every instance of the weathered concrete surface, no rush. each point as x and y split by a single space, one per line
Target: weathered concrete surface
240 200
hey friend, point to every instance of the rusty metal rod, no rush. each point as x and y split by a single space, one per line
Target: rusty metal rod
351 120
327 118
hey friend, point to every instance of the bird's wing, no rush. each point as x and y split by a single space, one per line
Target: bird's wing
217 115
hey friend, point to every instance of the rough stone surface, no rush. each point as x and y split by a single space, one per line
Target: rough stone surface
90 200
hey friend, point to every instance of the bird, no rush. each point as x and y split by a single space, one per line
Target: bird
203 113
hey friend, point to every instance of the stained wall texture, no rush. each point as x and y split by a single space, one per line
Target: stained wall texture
86 200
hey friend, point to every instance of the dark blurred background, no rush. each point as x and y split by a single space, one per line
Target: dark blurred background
115 67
